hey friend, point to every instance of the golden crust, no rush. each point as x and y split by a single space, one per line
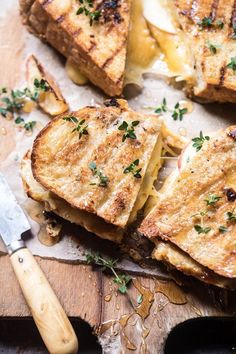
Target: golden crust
51 202
98 50
172 256
60 160
215 81
212 170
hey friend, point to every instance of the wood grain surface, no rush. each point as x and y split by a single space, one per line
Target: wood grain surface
123 325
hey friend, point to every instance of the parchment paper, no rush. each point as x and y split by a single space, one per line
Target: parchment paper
204 117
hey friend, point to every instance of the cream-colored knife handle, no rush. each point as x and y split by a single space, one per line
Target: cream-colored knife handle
49 316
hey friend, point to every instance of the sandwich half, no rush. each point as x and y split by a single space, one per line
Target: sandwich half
196 209
93 37
100 162
211 29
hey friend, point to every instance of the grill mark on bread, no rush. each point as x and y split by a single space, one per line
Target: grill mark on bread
64 35
222 75
93 45
203 65
46 2
110 59
60 19
120 79
77 32
214 8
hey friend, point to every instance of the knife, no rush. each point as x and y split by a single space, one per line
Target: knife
49 316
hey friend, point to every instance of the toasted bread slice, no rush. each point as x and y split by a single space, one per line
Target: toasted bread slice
197 212
174 257
57 205
51 101
99 49
100 160
210 27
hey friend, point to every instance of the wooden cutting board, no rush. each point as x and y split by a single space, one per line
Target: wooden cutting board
133 323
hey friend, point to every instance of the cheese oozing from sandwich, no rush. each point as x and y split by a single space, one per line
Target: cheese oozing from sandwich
157 43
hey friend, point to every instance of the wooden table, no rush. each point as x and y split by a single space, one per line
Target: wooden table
140 328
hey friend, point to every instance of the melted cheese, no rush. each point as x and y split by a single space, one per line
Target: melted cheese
142 47
156 43
176 51
75 74
146 189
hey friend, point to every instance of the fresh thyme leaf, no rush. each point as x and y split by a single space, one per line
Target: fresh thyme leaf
29 126
162 108
122 280
19 120
85 8
16 100
220 24
206 22
129 130
139 299
199 141
231 216
41 85
202 230
72 119
103 180
179 112
212 47
93 166
132 168
109 264
223 229
81 127
212 199
3 111
232 64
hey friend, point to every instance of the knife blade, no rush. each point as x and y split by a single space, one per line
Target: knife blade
49 316
13 222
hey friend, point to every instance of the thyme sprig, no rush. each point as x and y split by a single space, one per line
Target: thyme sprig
41 85
122 280
81 127
213 48
14 102
231 216
132 168
212 199
85 8
199 141
202 230
129 130
162 108
223 229
28 126
207 22
179 112
232 64
103 180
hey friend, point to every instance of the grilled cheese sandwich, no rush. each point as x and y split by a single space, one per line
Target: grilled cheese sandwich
68 166
202 228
